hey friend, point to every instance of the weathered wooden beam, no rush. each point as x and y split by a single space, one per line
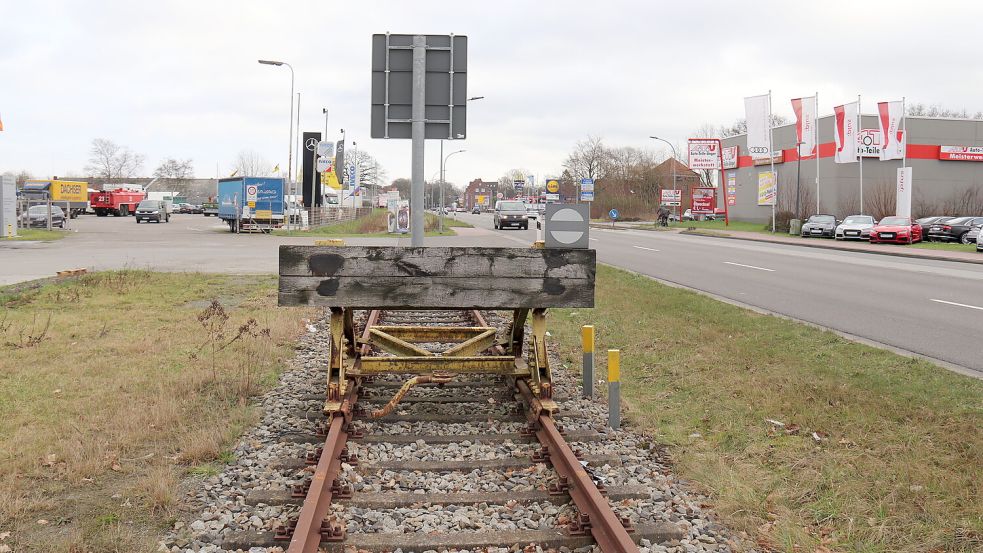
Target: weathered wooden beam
380 261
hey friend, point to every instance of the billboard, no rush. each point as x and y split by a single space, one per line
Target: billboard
731 190
961 153
703 200
704 153
730 157
767 188
672 197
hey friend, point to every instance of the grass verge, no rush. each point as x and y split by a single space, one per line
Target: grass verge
37 234
115 385
869 451
376 225
945 246
719 225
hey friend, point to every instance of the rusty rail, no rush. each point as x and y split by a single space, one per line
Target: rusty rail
311 525
596 515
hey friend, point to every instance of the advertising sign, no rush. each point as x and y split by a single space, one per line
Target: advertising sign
519 184
553 186
330 179
730 157
399 215
704 153
869 143
731 192
778 156
703 200
903 207
323 164
69 191
8 205
325 148
767 188
481 200
961 153
672 197
757 112
552 197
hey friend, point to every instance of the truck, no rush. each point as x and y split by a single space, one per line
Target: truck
251 203
72 196
167 197
209 208
118 202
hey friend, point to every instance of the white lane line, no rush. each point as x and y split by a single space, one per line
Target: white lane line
647 249
594 239
957 304
749 266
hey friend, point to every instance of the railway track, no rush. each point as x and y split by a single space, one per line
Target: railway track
472 462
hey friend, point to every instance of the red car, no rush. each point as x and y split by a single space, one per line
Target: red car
896 230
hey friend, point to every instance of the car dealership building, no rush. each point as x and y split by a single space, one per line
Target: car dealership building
946 157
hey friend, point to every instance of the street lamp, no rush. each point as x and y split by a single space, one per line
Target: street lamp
290 140
674 156
443 164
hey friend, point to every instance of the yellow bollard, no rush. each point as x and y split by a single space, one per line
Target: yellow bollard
587 340
614 388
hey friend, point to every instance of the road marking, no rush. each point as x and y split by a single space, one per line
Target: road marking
957 304
749 266
594 239
644 248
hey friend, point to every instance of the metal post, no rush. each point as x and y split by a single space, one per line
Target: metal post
860 154
771 155
440 210
587 339
418 134
614 388
798 174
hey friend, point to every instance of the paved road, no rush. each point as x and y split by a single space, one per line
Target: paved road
932 308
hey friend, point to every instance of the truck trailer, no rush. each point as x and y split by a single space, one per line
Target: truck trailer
251 203
70 195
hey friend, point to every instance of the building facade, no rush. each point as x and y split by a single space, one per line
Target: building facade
942 182
480 192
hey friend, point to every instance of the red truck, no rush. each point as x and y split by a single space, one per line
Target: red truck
119 202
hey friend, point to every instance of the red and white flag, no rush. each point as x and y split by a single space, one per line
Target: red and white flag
805 124
890 115
845 133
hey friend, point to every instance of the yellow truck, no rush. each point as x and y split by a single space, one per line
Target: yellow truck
71 195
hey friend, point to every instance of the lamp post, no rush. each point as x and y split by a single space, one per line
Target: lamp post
674 156
798 173
443 164
290 140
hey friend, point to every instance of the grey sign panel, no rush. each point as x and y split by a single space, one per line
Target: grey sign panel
446 86
8 206
567 226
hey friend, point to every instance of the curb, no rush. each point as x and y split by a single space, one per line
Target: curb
834 248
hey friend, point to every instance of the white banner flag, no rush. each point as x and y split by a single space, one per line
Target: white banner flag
805 124
890 114
845 133
757 111
903 206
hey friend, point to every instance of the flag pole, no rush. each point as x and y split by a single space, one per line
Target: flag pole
860 154
771 156
904 135
815 131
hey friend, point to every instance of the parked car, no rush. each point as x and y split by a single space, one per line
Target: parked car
152 210
37 216
855 227
954 230
688 215
532 212
511 213
927 222
823 226
979 241
973 236
476 210
196 209
896 230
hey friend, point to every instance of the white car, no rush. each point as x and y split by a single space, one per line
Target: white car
531 211
979 240
855 227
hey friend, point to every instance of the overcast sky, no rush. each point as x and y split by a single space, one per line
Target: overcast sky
180 79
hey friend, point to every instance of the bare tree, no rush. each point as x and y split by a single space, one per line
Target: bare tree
370 173
249 163
112 161
587 159
172 168
936 110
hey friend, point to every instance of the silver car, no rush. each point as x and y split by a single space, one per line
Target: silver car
855 227
975 235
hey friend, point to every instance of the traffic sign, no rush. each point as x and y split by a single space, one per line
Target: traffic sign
552 186
251 193
567 226
613 214
323 164
552 197
672 197
325 148
519 184
587 195
586 185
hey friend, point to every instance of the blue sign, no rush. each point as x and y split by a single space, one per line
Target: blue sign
519 184
613 214
587 182
586 196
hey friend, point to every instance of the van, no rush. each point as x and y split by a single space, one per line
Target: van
510 213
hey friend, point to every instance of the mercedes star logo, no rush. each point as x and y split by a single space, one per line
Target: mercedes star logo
311 143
